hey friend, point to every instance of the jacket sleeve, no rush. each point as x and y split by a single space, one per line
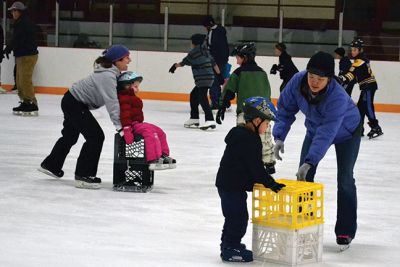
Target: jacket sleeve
109 93
230 89
186 61
287 109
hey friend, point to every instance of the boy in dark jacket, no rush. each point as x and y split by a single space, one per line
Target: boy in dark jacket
202 64
285 67
240 168
344 67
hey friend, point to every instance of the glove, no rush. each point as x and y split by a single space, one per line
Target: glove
302 172
128 135
273 69
173 68
273 185
7 51
220 115
279 147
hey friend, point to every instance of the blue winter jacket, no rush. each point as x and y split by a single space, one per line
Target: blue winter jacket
332 120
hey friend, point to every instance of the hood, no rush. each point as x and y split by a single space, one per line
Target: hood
238 134
98 68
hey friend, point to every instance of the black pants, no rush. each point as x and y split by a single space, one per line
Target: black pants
199 96
365 105
77 120
234 209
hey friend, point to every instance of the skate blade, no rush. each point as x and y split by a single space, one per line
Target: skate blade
47 172
204 128
375 136
29 114
172 166
344 247
191 126
84 185
159 167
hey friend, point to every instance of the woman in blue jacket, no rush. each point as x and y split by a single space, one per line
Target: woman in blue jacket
331 118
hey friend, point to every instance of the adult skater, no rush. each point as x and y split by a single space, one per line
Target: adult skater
285 67
331 118
92 92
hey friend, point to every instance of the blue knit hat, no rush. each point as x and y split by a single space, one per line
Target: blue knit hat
116 52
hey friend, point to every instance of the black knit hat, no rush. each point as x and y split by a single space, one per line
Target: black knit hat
340 51
281 47
208 21
321 64
198 39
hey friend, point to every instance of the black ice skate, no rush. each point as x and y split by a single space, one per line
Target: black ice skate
56 174
343 241
87 182
26 109
375 132
236 254
158 165
170 161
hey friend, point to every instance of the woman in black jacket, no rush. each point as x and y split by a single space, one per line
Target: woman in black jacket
285 67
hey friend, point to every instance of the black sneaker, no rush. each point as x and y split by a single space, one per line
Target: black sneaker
56 174
87 182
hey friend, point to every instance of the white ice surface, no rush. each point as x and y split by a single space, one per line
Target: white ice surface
49 222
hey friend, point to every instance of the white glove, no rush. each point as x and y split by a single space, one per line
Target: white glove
279 146
302 172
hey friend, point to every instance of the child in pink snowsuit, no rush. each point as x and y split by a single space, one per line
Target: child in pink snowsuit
131 116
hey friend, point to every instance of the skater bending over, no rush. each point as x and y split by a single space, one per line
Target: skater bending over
92 92
155 140
331 117
202 67
240 168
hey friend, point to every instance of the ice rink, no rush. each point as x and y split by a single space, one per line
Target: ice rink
49 222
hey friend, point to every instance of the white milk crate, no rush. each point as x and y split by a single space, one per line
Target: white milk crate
290 247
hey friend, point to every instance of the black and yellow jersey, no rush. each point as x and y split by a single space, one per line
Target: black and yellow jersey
361 71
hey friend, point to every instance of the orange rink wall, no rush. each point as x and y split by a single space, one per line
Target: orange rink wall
393 108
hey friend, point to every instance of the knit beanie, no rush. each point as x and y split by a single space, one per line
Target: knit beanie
198 39
116 52
322 64
340 51
208 21
281 47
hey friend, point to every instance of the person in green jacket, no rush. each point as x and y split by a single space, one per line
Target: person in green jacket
246 81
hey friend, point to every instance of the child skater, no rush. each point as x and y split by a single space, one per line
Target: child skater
202 67
240 168
131 115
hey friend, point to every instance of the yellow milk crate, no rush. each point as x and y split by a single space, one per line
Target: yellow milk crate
298 205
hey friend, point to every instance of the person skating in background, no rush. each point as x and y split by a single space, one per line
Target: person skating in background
24 46
2 90
361 72
92 92
203 67
217 43
344 67
331 117
240 168
131 114
285 67
246 81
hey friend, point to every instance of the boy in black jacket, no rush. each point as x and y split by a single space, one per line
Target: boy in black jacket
240 168
285 67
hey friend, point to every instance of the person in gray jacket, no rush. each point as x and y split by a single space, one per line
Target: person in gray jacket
92 92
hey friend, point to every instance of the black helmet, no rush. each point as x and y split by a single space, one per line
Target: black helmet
321 64
357 43
259 107
245 50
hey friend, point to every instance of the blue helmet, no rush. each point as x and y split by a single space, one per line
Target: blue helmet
127 77
260 107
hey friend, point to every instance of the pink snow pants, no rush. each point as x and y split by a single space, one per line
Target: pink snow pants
155 140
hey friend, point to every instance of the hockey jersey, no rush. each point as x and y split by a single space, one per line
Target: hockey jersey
361 71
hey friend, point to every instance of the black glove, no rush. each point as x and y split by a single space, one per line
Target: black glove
173 68
270 167
7 51
220 115
274 186
274 69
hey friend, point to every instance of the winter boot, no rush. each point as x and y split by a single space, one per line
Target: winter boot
343 241
158 165
376 130
87 182
192 123
56 174
208 125
170 161
236 254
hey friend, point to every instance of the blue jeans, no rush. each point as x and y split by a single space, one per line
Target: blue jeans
234 209
346 157
215 89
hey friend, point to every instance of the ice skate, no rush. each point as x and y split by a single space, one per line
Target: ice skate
343 241
56 174
208 125
158 165
236 254
26 109
87 182
192 123
170 161
375 132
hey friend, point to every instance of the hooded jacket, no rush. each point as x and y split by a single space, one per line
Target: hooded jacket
131 107
331 120
241 165
99 89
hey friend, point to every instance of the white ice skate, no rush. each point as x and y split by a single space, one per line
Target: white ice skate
192 123
208 125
